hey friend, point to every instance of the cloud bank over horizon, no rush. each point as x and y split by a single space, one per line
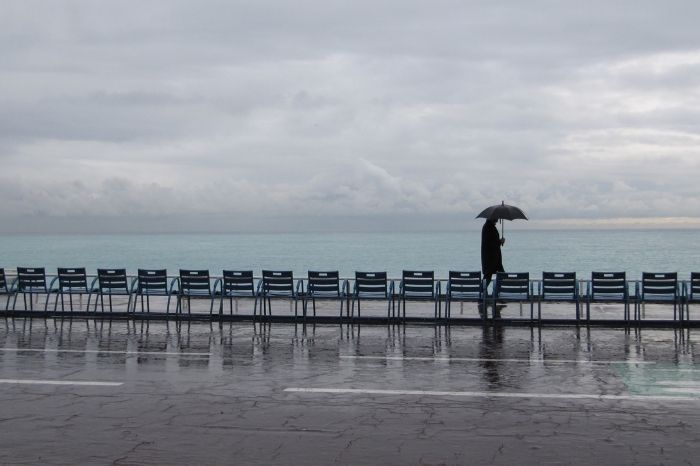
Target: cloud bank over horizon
325 110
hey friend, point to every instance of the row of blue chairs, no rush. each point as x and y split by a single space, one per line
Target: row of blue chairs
603 287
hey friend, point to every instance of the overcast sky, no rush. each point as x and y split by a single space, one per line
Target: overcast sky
237 115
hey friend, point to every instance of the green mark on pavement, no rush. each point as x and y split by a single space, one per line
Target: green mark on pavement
661 379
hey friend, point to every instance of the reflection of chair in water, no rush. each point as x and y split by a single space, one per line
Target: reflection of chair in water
279 284
30 281
463 287
513 287
71 281
151 282
419 286
372 285
608 287
691 292
194 284
657 288
5 289
558 287
110 282
238 284
325 285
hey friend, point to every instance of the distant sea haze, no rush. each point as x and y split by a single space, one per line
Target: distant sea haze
525 251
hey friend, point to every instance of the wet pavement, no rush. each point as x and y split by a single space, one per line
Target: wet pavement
76 391
284 309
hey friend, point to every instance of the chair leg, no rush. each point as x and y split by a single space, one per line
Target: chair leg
588 310
674 311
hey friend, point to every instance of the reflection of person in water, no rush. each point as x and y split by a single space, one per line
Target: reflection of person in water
490 350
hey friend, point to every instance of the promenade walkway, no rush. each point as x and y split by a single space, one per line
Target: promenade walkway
610 315
77 391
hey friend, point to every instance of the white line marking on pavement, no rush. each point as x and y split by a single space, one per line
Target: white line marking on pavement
680 383
61 382
565 396
688 391
552 361
127 353
676 370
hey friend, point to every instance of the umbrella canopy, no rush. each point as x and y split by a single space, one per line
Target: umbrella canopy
502 211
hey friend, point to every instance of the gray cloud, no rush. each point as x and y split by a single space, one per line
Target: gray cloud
347 109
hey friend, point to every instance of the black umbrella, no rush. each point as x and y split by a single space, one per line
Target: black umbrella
502 212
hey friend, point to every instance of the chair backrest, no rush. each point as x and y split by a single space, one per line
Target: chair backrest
238 282
278 282
152 280
195 282
371 283
72 279
512 285
418 283
3 280
608 285
659 285
559 285
324 283
694 285
112 280
465 283
31 279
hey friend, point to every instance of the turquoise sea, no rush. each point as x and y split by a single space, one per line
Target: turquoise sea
531 251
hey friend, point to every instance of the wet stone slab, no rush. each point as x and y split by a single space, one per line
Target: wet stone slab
282 307
117 392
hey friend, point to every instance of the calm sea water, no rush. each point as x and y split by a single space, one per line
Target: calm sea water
525 251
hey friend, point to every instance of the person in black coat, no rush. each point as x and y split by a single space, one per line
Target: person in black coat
491 242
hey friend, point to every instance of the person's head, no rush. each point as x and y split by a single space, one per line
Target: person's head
492 219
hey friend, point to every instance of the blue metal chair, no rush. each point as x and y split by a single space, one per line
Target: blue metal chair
513 287
195 284
71 281
418 285
110 282
325 285
279 284
238 284
151 282
372 285
463 287
558 287
5 289
30 281
608 287
691 292
658 288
